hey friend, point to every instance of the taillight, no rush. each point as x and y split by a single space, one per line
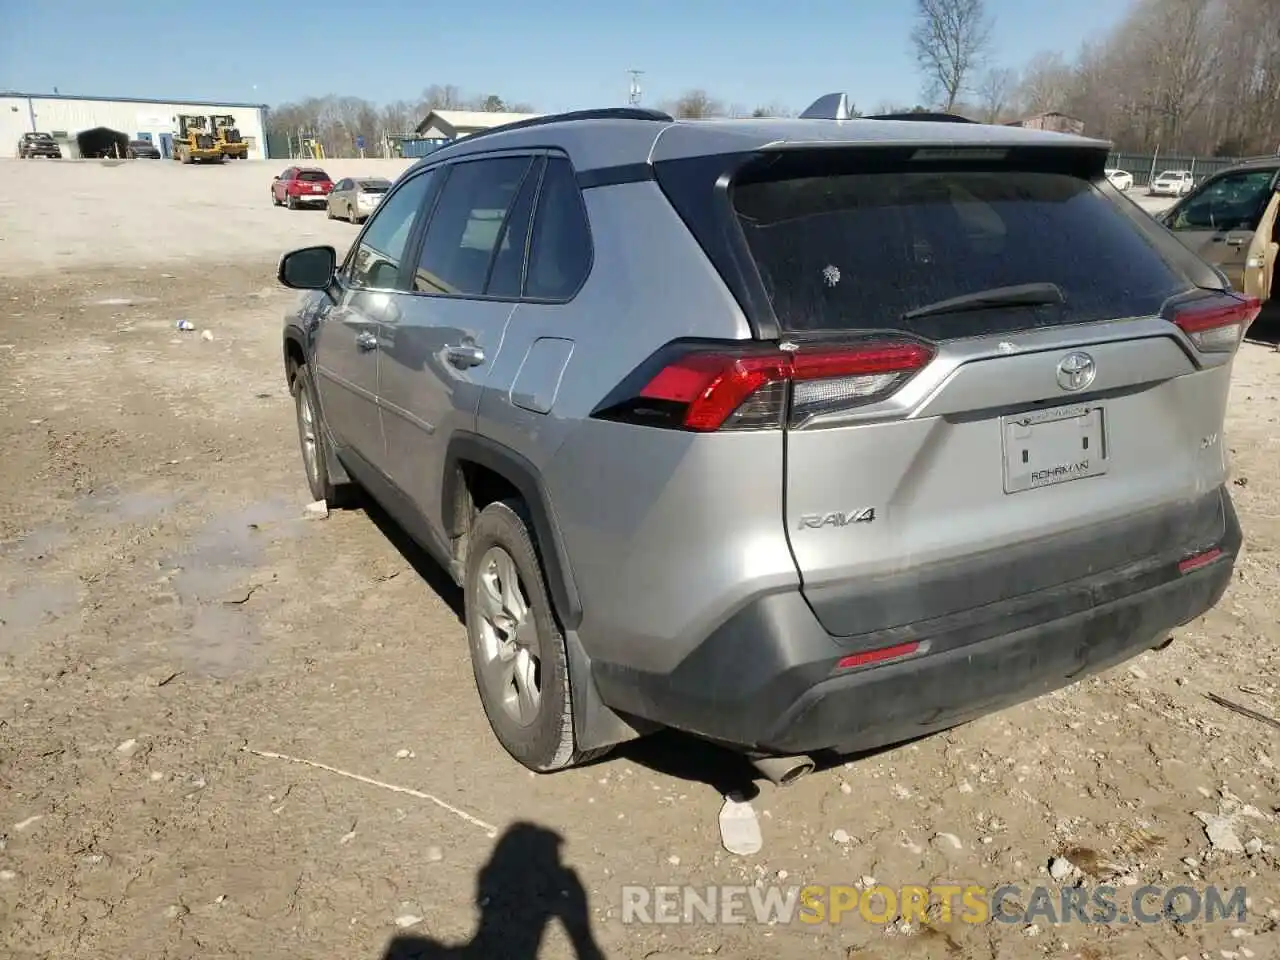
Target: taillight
706 389
1218 323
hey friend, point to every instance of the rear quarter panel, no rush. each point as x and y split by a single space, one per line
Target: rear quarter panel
668 533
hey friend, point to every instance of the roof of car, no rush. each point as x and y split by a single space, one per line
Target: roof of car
610 138
1254 163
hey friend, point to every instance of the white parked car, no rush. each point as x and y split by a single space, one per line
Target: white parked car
1120 179
1172 183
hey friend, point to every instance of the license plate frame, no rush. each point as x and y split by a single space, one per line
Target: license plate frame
1045 448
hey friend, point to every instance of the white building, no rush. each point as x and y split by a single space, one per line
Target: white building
89 125
451 124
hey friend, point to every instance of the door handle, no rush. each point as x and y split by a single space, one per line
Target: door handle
464 355
1235 241
367 341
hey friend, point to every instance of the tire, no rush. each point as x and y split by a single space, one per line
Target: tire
291 202
535 730
328 211
351 214
313 444
275 201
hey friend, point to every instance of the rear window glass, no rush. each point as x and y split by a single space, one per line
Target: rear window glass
375 186
312 176
858 251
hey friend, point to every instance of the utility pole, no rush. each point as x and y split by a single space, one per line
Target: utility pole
634 98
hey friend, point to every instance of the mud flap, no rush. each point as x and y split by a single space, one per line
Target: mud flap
595 724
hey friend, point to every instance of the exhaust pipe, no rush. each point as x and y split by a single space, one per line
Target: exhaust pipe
783 771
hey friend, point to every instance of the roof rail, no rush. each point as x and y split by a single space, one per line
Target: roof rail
922 115
830 106
604 113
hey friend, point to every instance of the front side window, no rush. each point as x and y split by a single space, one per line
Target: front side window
375 261
464 231
1232 202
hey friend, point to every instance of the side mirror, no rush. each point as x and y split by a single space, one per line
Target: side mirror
310 268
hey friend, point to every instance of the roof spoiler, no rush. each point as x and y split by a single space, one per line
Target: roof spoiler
923 116
835 106
831 106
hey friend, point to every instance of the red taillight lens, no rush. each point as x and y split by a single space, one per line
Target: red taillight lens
712 386
1216 324
707 390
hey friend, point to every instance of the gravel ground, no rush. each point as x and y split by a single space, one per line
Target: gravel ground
172 632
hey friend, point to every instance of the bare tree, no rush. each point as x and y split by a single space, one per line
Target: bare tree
950 38
697 105
772 110
995 93
339 123
1047 84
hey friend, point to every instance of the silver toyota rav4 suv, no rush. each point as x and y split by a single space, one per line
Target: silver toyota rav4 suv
800 435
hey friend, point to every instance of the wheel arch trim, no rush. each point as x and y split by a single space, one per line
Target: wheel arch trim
527 480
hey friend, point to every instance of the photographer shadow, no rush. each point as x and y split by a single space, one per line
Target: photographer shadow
522 887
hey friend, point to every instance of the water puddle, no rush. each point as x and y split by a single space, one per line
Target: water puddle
23 608
127 507
42 542
36 544
223 637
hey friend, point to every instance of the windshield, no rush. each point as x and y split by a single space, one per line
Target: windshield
37 136
1171 175
860 251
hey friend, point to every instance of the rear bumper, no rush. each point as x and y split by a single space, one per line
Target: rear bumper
767 681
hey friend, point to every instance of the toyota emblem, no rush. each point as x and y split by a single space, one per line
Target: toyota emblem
1076 371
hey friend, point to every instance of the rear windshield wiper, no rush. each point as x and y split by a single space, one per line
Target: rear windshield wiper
1022 295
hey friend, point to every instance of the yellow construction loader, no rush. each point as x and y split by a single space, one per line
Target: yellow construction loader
228 137
195 140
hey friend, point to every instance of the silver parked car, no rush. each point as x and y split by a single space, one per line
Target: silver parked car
354 198
794 434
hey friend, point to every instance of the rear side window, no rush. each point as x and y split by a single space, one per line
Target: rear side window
506 275
858 251
463 233
560 255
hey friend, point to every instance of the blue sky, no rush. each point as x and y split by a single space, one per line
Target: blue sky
555 54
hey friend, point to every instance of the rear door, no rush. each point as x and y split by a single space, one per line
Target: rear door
439 349
988 452
1217 222
281 185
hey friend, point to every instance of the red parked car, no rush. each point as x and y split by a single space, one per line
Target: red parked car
299 186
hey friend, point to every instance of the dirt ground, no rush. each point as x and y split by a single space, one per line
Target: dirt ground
172 631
